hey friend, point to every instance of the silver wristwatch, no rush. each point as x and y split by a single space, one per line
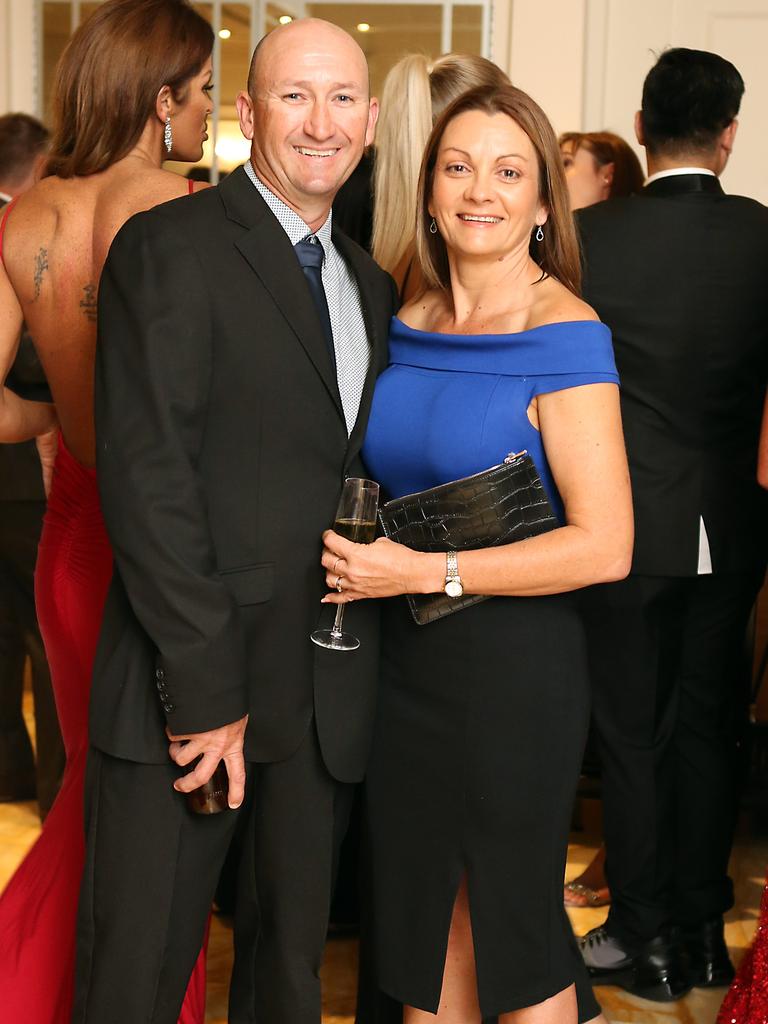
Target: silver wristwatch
453 585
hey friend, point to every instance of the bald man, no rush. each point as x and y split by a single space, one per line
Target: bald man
240 335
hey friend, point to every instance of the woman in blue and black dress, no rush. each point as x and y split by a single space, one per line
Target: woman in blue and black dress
483 714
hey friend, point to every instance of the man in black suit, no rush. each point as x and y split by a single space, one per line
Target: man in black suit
240 336
23 146
679 274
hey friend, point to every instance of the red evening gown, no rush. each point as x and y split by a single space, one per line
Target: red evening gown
38 908
747 999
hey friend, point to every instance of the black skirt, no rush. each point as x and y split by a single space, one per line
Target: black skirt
480 731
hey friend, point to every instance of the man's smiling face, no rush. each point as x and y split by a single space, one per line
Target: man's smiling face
311 113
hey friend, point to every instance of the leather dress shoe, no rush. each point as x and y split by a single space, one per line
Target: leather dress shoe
709 965
655 970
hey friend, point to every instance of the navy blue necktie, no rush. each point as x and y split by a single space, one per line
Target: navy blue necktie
310 255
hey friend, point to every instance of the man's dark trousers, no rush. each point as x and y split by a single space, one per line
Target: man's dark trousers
668 697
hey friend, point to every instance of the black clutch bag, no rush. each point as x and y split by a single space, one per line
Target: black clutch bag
501 505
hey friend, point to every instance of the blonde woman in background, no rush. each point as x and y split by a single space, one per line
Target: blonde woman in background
416 92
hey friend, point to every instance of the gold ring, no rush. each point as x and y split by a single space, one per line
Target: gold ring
336 564
337 584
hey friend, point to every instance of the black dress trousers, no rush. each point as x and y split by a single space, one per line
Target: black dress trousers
21 775
666 662
165 861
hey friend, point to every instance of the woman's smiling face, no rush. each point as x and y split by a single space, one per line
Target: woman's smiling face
485 186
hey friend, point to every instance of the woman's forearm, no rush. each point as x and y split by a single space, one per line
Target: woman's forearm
565 559
21 419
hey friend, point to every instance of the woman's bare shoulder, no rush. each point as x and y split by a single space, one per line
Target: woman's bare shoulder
556 304
420 311
147 188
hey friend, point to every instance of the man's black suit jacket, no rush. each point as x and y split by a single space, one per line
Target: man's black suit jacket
679 273
221 453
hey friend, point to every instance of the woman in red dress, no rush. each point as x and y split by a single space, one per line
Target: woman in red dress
747 999
132 89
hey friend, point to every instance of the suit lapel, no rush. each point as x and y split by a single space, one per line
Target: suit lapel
269 253
376 338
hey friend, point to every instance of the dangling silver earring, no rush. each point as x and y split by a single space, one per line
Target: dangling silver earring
539 234
433 227
168 134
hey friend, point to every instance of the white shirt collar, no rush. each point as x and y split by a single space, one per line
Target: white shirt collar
293 225
674 171
5 198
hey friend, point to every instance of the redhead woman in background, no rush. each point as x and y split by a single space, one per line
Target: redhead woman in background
599 166
132 89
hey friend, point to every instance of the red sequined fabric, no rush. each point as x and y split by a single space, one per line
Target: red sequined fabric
747 999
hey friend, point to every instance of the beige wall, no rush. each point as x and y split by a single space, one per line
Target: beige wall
18 56
585 61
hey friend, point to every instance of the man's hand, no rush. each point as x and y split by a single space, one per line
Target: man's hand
224 744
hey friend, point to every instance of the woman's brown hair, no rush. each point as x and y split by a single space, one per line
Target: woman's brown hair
558 253
110 73
608 148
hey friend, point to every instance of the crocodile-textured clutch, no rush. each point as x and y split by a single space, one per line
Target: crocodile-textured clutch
501 505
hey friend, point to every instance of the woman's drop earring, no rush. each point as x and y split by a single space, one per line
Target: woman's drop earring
433 227
539 234
168 134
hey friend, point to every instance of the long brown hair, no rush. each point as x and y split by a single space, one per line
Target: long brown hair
608 148
415 93
558 253
110 73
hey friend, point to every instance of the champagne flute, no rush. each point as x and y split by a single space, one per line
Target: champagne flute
356 521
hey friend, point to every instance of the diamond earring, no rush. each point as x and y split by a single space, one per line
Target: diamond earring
539 234
433 227
168 134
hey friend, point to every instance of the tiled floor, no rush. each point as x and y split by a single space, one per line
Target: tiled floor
19 826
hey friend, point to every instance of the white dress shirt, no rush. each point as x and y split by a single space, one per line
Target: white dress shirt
345 308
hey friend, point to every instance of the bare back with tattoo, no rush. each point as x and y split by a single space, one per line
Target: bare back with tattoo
55 243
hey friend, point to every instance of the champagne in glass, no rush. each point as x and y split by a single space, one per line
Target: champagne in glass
355 521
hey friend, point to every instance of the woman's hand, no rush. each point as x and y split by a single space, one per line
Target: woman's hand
381 569
47 447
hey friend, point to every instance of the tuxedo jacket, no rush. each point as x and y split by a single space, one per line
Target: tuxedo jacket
678 273
221 453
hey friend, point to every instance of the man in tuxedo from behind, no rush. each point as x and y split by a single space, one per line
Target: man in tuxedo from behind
240 335
24 775
678 273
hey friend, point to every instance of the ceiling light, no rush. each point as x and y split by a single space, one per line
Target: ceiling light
224 33
285 19
363 27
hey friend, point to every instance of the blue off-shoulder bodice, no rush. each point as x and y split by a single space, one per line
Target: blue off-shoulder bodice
449 405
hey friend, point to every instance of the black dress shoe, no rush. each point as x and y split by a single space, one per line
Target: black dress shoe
709 965
655 970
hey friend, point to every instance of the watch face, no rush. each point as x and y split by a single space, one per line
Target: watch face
453 588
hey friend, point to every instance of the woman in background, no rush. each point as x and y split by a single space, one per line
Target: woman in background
416 92
599 166
482 715
132 89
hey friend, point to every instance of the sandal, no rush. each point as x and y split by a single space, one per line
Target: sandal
575 894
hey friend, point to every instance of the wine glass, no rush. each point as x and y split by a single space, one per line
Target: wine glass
355 520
